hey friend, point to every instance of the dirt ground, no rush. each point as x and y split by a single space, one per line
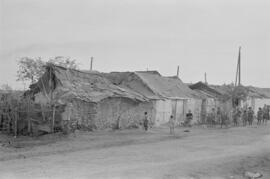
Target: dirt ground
199 153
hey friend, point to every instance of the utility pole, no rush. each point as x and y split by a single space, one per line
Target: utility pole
177 74
238 70
205 78
236 101
91 65
239 62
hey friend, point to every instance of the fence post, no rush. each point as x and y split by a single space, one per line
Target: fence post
15 122
53 118
28 116
9 120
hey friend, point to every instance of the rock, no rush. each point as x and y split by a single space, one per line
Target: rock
252 175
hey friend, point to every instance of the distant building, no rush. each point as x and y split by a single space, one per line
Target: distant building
169 95
96 102
213 97
257 97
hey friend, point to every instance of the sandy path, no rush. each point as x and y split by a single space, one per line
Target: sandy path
213 153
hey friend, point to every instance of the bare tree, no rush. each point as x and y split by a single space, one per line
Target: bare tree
31 69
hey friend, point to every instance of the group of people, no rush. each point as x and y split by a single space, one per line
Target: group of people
171 123
238 115
247 116
222 118
187 121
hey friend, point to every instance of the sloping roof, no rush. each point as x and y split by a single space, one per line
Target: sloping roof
131 81
258 92
252 91
87 86
171 87
152 85
223 89
205 90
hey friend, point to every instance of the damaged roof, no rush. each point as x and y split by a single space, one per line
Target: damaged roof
84 85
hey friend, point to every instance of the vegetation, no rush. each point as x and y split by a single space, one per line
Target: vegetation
31 69
5 87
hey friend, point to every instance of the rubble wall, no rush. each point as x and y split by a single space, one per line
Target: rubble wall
122 111
83 114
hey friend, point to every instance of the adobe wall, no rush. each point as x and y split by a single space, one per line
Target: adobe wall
126 111
83 114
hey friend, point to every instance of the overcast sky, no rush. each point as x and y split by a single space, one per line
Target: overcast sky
128 35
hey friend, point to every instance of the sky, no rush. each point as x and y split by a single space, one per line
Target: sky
131 35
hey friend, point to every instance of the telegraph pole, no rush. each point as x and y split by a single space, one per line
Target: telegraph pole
177 74
236 100
239 63
91 64
238 70
205 78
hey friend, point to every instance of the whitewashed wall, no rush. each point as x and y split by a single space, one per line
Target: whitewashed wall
195 105
163 110
255 103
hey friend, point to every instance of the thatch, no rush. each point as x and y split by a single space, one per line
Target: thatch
251 91
152 85
258 92
205 90
170 87
84 85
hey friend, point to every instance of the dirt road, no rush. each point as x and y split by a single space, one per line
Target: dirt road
200 153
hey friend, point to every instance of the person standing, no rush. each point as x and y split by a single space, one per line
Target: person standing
266 115
244 117
171 124
259 116
212 117
189 117
239 113
224 119
145 121
250 116
219 116
235 117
